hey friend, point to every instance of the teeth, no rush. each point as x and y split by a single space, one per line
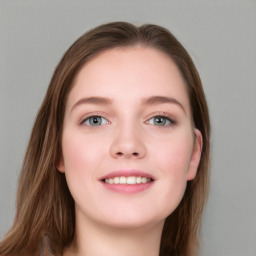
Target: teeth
122 180
131 180
138 180
116 180
144 180
127 180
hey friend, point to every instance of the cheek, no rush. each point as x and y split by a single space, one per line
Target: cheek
174 155
173 159
80 153
81 159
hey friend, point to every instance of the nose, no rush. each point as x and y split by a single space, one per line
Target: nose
128 143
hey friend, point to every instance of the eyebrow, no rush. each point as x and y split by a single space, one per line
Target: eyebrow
93 100
153 100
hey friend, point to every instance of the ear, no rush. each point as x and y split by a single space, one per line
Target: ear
60 165
196 155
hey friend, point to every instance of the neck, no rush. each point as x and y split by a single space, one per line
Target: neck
97 240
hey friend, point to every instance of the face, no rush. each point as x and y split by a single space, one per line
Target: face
128 143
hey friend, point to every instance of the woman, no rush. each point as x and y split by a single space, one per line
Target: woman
117 162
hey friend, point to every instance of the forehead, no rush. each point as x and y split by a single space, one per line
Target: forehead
133 72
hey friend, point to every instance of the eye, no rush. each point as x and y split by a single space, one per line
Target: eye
95 121
161 121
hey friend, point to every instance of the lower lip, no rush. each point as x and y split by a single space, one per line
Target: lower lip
128 189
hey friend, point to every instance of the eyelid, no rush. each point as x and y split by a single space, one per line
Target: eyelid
92 114
165 115
168 116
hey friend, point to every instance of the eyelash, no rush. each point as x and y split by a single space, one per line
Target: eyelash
166 117
96 115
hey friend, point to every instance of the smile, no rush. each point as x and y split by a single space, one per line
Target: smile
130 180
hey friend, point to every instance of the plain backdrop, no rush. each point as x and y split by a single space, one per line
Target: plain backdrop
221 38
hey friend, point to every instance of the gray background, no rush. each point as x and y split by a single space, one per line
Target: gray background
221 38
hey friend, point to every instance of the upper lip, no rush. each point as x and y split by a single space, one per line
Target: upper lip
127 173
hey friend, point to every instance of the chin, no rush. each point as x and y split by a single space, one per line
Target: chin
134 222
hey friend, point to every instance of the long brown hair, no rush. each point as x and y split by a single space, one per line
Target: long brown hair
44 203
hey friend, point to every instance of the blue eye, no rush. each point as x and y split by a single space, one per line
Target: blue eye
161 121
95 121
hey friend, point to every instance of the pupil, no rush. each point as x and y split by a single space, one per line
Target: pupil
159 121
96 120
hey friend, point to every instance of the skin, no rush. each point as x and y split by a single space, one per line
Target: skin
127 137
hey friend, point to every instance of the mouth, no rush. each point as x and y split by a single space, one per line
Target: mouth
130 180
127 181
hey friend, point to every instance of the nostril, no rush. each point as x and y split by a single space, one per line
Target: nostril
122 154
